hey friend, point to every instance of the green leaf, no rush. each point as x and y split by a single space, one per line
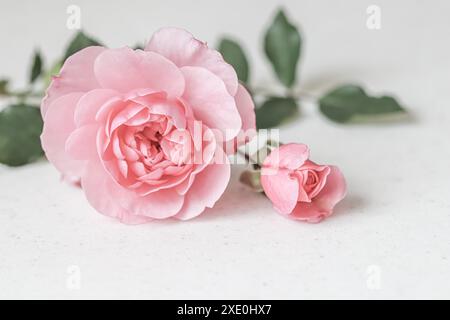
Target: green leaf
350 102
4 86
282 44
275 111
80 41
234 55
20 130
36 68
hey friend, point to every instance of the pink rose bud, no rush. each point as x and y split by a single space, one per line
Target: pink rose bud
139 129
298 187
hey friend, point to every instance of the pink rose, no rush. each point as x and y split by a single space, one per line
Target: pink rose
141 130
298 187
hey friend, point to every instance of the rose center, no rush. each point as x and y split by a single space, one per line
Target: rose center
161 141
312 179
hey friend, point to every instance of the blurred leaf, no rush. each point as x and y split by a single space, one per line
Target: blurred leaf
282 44
36 68
252 179
20 130
275 111
80 41
351 102
234 55
4 86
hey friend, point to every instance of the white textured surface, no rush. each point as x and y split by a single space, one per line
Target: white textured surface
396 216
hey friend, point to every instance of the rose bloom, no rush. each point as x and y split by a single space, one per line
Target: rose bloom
143 131
298 187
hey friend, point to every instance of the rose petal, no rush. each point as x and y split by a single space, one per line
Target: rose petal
210 101
246 108
91 103
101 192
172 109
158 205
126 70
81 144
204 155
76 75
207 188
280 188
322 205
58 125
183 49
290 156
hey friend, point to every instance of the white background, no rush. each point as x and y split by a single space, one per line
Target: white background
390 238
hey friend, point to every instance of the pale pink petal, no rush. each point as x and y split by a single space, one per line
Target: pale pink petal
322 205
127 113
58 125
323 172
246 108
302 194
208 187
168 182
183 49
81 144
77 75
101 192
280 188
290 156
309 212
158 205
245 105
334 190
126 70
91 103
210 101
302 173
204 155
139 119
157 105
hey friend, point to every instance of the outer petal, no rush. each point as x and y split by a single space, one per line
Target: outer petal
208 187
183 49
158 205
211 102
280 188
309 212
81 144
334 190
58 125
322 205
246 108
100 191
77 75
126 70
91 103
290 156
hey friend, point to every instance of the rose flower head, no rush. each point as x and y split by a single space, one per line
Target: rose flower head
299 188
143 131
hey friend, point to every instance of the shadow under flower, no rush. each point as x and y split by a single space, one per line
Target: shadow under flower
351 204
237 200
